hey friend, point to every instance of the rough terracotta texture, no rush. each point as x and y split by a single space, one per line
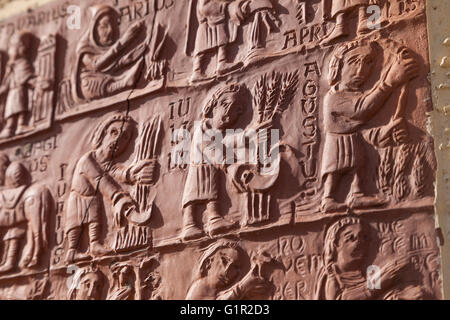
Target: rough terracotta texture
115 185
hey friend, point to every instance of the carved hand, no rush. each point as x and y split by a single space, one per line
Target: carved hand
394 132
143 171
403 69
132 32
390 272
123 207
44 84
411 293
252 284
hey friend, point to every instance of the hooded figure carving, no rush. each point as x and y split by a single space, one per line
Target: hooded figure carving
105 65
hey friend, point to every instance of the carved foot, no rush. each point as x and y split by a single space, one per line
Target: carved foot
224 68
74 256
6 267
29 261
363 27
96 249
338 32
365 201
217 225
6 134
21 129
33 262
330 205
190 232
197 76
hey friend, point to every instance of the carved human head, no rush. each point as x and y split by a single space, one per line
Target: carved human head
224 107
106 29
16 175
4 163
220 263
345 243
351 65
19 44
123 273
87 284
114 134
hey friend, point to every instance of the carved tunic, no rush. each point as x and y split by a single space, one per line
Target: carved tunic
206 162
339 6
19 72
345 286
212 31
344 114
201 183
12 212
83 199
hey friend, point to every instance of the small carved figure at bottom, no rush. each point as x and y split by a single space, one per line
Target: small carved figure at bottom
125 278
219 268
344 277
87 284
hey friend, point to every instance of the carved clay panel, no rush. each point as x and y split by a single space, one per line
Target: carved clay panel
212 149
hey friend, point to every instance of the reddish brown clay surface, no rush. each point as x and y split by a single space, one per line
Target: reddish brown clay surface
217 149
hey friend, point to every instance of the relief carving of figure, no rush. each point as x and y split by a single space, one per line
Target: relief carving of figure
24 210
96 177
345 262
135 280
347 108
218 275
87 284
220 113
19 79
219 22
107 63
340 11
125 282
202 186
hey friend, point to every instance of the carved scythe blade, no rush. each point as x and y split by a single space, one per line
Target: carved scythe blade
140 218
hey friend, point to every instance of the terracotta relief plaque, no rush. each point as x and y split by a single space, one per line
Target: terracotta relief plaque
217 149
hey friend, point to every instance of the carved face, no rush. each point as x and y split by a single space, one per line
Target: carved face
226 112
356 68
351 245
224 267
105 31
89 287
16 48
126 276
113 138
16 175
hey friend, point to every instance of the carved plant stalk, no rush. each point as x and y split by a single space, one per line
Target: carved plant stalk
272 95
288 89
259 97
418 170
270 105
147 151
385 171
401 187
